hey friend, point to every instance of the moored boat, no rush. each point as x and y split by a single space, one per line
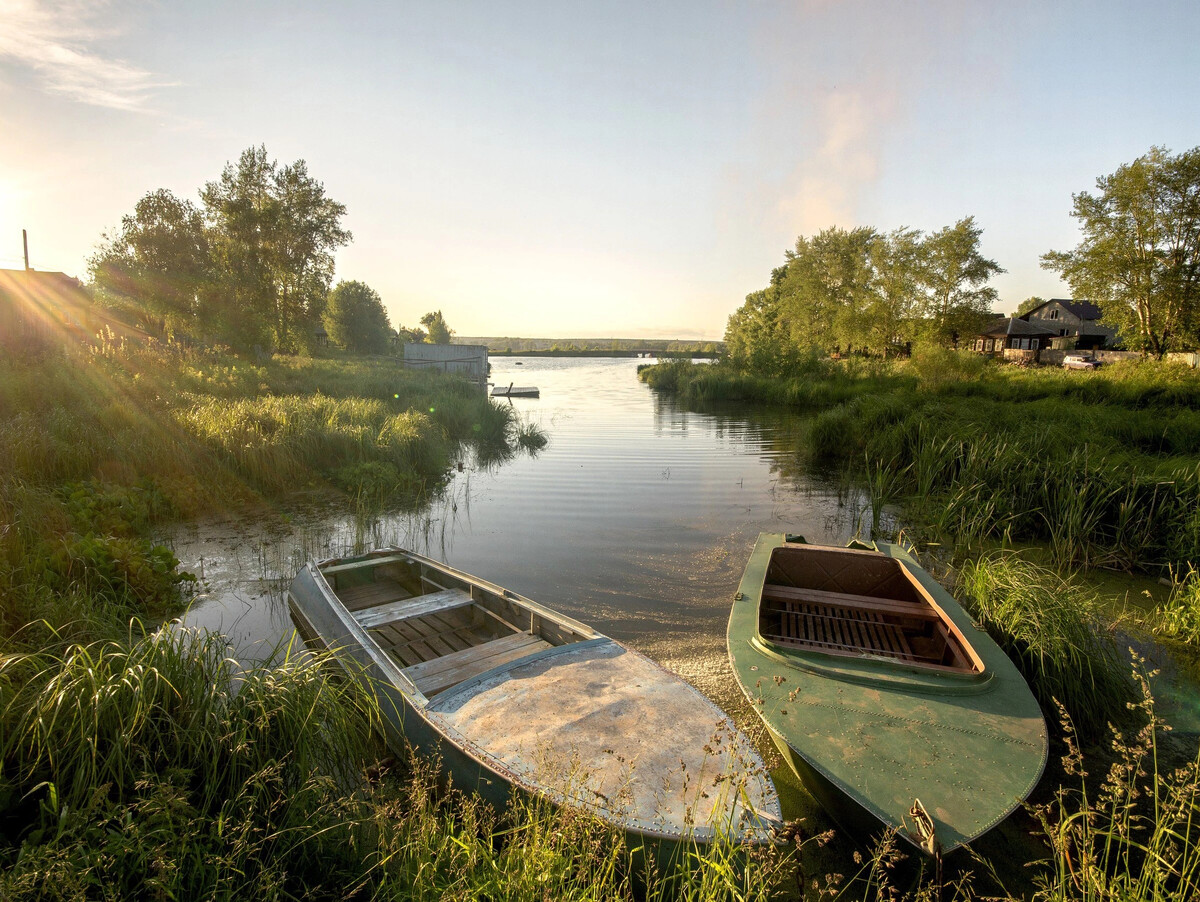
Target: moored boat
892 707
516 697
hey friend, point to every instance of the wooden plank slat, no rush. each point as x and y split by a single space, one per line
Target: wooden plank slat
420 606
773 592
437 675
367 564
369 595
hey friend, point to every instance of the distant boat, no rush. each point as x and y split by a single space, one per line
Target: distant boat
893 708
517 391
516 697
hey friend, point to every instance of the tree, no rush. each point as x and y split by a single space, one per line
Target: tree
439 332
824 289
898 261
955 277
274 232
753 338
1139 259
158 258
356 320
1028 305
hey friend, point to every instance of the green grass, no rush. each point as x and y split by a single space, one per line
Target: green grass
1052 629
1136 837
156 767
1179 617
1103 468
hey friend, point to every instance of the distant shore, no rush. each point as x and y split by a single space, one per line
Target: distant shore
650 352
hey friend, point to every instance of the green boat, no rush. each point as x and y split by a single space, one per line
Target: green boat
894 709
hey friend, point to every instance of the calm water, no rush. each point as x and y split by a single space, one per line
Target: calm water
637 518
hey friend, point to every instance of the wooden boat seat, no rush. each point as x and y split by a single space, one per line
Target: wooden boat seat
439 674
774 592
407 608
371 595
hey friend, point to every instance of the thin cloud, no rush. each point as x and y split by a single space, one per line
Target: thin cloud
55 40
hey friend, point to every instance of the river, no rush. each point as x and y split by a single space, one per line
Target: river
636 518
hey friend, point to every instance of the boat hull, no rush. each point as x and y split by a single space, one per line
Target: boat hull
869 736
444 725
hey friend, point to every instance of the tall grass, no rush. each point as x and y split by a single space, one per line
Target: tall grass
1051 628
1179 617
1104 468
158 768
1134 839
155 766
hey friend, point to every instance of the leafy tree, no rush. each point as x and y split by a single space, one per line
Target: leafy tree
159 258
753 338
356 319
411 336
439 332
898 261
273 232
1140 254
1028 305
956 276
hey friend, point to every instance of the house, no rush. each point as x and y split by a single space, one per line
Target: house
1011 333
44 306
1075 323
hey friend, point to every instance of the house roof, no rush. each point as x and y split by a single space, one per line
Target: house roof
55 299
1012 325
41 295
1085 310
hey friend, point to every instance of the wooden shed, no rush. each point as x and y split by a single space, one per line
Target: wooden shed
470 361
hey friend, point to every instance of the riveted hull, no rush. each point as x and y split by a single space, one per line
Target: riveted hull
869 724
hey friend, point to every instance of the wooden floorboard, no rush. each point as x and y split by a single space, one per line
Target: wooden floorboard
370 595
845 629
438 675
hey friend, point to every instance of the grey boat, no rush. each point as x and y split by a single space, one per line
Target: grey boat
517 698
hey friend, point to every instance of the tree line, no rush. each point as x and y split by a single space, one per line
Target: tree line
860 289
848 290
252 265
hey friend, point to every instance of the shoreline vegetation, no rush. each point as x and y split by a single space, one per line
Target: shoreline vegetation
1016 485
140 762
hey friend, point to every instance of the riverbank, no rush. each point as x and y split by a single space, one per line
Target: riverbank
991 469
636 522
1103 468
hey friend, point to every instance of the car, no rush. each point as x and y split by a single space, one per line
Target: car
1080 362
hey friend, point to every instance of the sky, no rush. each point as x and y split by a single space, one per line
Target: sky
607 169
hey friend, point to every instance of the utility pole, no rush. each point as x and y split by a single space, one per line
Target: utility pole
25 241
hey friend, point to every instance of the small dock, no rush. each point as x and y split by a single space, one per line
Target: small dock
515 391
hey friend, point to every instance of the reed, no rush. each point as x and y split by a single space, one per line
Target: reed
156 765
1104 468
1179 617
1051 628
